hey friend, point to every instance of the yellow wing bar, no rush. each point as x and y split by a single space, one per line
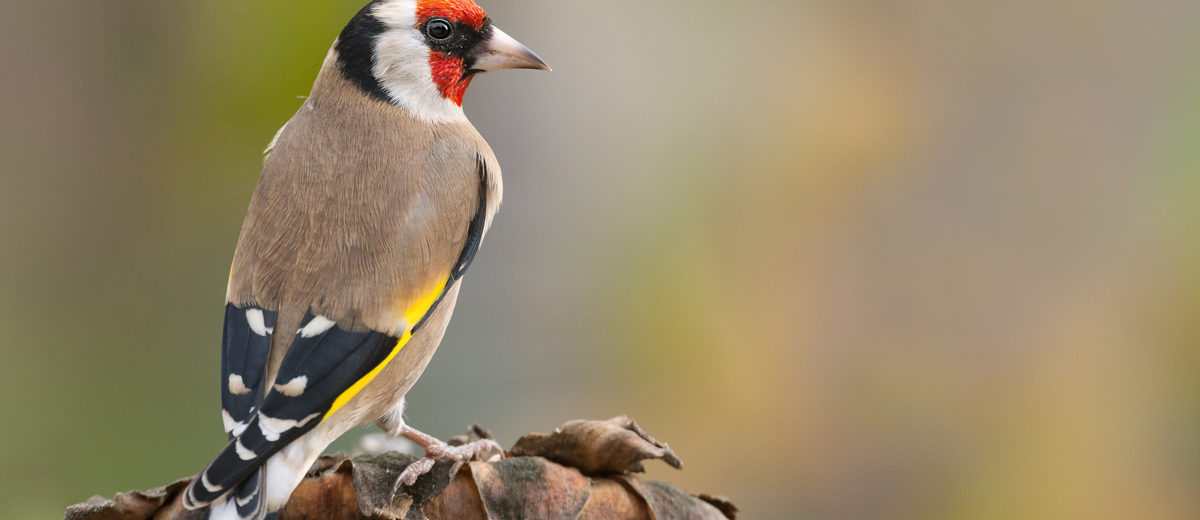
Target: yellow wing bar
413 315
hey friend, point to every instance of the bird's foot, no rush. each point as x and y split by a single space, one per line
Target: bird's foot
437 450
413 472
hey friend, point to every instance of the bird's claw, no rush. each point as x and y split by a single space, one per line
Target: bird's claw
443 451
414 471
465 452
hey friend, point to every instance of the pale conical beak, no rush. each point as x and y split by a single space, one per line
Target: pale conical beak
501 51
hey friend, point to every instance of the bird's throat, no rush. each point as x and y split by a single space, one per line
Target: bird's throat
450 76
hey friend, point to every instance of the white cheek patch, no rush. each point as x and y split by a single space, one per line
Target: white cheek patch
402 65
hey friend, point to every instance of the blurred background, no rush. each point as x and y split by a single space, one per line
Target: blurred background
910 259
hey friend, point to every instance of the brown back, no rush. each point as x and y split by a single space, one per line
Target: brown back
360 209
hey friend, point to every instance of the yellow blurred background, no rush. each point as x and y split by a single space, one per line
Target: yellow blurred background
910 259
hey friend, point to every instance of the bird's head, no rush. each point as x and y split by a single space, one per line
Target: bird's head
422 54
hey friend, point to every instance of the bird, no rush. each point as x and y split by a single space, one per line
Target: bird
371 205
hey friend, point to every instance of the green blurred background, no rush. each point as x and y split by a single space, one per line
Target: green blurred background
910 259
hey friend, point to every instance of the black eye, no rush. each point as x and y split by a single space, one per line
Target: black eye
439 29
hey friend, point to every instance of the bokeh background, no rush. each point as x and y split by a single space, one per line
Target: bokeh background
907 259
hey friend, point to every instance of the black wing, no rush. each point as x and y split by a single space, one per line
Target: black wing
315 371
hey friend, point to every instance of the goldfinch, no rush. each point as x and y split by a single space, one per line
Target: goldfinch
372 202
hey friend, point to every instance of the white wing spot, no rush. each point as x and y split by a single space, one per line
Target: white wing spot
237 386
257 324
319 325
242 452
232 426
294 388
268 427
272 428
227 419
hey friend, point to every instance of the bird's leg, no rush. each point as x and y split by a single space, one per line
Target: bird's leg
436 449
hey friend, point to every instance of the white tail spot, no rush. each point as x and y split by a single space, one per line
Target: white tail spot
209 485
